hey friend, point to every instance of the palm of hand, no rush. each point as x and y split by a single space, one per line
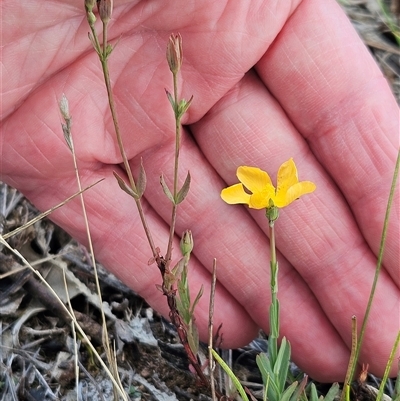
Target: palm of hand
282 108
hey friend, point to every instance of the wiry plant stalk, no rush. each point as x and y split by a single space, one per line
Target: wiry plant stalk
105 338
104 52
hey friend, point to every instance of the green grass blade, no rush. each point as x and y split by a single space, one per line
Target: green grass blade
388 366
232 376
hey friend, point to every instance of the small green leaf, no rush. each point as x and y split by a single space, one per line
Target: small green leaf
332 393
288 392
142 180
183 107
183 312
109 50
181 195
124 186
281 367
193 338
197 299
184 298
268 376
166 189
313 393
272 345
264 365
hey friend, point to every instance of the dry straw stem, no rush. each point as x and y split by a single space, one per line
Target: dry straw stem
69 139
210 329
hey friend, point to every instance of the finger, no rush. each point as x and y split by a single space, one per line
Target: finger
332 90
317 234
37 40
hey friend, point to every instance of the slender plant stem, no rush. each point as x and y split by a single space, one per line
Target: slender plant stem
210 329
352 360
105 30
274 308
176 168
104 64
274 279
90 244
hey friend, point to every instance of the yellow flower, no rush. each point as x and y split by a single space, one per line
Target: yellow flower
262 191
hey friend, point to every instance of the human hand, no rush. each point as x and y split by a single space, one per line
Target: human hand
313 93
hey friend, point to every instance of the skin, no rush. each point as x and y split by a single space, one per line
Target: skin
270 80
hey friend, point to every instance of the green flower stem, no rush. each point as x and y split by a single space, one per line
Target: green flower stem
274 308
103 52
176 167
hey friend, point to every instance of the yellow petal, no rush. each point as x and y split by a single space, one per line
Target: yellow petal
235 194
260 200
280 199
253 178
297 190
287 176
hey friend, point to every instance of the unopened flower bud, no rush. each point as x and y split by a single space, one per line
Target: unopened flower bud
89 4
105 8
272 213
174 53
186 243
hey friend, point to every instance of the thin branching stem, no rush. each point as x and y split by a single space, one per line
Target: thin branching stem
103 53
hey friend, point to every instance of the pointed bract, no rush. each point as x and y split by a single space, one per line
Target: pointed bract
124 186
166 189
181 195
